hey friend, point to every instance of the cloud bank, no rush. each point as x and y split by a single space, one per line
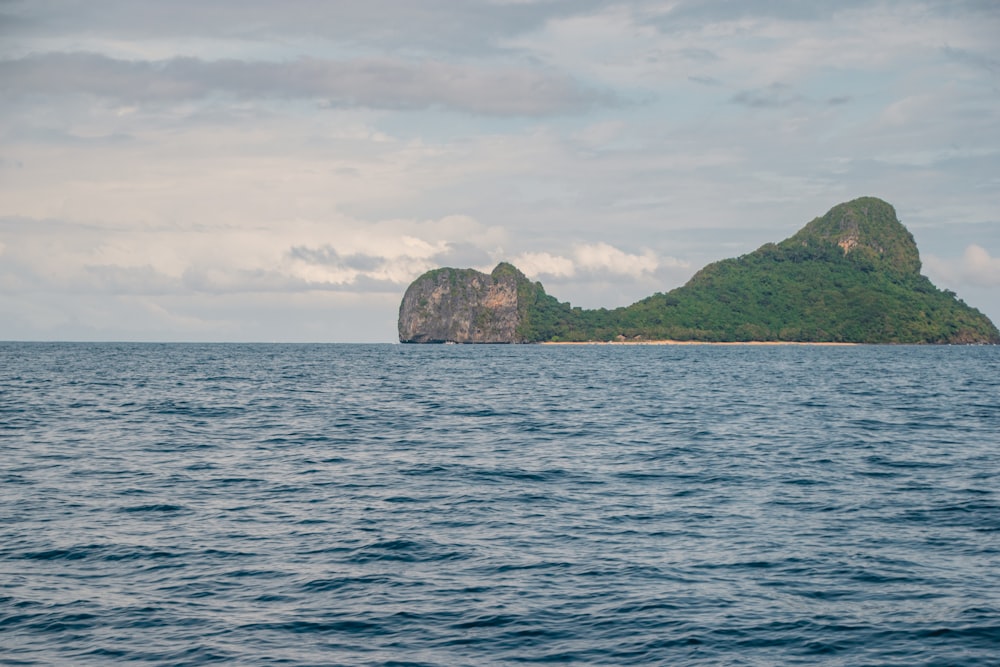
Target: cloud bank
380 83
280 171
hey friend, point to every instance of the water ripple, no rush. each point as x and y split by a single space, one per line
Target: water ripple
452 505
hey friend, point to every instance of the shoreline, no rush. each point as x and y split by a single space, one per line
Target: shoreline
696 342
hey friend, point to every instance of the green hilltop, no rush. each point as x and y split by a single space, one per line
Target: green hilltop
852 275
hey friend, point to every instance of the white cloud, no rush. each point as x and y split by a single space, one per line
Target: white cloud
980 268
593 258
607 258
291 257
976 267
540 264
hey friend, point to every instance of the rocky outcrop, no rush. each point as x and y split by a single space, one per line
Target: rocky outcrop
868 227
464 306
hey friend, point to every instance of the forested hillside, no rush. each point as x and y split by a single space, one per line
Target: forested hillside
852 275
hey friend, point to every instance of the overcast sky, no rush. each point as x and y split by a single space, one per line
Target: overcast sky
280 171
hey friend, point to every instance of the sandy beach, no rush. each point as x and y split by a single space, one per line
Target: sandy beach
690 342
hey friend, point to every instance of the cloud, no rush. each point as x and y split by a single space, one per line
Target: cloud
325 266
536 264
606 258
725 10
976 267
703 80
309 152
383 83
774 96
903 111
594 259
473 27
74 258
111 279
328 256
699 55
976 58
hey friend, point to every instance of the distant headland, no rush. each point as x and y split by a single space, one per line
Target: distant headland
850 276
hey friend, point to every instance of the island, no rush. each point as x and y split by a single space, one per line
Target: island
850 276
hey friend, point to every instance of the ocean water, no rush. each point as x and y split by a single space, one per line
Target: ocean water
499 505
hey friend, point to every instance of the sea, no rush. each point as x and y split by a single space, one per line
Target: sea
259 504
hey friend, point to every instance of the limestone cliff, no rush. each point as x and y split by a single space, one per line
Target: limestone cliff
464 306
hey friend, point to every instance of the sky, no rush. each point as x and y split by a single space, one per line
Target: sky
280 171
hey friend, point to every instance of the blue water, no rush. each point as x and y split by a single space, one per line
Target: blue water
499 505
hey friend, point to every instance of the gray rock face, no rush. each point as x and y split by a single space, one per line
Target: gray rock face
462 306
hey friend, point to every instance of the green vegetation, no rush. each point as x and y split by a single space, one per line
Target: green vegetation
852 275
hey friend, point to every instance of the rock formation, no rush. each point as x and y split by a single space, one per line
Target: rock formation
464 306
